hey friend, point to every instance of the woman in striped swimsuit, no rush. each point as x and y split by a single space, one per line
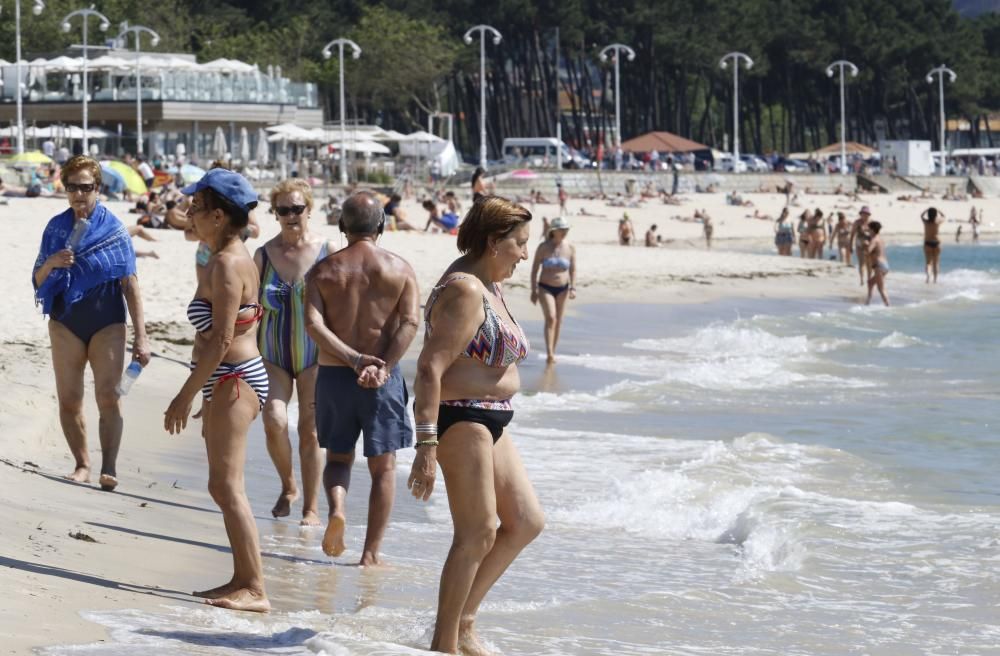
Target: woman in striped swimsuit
289 354
229 373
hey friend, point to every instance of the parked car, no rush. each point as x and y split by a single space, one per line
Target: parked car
755 163
725 163
790 165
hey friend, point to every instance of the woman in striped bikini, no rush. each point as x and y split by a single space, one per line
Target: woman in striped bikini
467 373
229 373
289 353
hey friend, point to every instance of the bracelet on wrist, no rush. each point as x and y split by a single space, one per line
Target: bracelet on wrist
421 443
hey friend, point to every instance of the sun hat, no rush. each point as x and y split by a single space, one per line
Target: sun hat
559 223
231 186
865 210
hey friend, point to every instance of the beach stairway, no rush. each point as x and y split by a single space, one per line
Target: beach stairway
988 186
885 183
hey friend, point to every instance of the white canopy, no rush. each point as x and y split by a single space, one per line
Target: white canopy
421 136
224 65
293 133
54 131
369 147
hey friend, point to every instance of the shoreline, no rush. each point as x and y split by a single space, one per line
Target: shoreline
153 534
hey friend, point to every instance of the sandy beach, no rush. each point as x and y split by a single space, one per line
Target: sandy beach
68 547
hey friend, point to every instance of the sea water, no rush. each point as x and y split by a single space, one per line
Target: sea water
735 477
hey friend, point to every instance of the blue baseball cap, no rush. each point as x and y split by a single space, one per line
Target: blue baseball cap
231 186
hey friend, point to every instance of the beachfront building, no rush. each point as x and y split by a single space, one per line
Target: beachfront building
185 104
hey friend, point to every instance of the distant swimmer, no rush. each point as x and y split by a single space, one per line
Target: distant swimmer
362 311
860 235
932 219
878 263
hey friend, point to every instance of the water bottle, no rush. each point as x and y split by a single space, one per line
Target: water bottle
128 378
77 234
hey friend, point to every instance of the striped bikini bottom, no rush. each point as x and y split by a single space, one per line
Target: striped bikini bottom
252 371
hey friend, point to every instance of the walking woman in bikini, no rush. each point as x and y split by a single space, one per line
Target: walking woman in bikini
555 259
467 373
228 371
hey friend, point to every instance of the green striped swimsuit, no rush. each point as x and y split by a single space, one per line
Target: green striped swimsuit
282 337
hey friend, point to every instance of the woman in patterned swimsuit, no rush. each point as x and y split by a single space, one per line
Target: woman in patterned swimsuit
289 353
466 375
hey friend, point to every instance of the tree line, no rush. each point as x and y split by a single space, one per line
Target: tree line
414 62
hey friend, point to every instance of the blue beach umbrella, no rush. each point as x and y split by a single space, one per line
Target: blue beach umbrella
191 173
112 179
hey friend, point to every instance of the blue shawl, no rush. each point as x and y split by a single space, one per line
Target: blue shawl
105 253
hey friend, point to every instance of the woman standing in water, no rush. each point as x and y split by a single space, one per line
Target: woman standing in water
290 355
784 233
556 260
228 371
467 373
843 233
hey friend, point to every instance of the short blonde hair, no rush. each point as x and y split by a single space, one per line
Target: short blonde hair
291 185
81 163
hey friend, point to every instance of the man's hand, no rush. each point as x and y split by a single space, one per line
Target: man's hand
373 377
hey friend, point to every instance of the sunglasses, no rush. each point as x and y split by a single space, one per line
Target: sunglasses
72 187
294 209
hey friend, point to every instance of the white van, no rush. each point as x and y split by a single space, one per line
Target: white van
539 152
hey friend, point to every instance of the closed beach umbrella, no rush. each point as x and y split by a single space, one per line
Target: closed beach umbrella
244 146
112 179
191 173
263 151
133 181
219 145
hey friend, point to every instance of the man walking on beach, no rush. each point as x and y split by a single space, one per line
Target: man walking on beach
362 312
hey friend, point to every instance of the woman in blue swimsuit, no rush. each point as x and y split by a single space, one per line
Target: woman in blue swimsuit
556 260
85 291
228 371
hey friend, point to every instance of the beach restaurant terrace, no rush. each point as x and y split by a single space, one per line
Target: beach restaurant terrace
183 101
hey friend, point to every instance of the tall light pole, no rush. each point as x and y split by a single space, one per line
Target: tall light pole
138 30
736 57
617 49
327 53
842 64
941 70
37 9
103 26
482 29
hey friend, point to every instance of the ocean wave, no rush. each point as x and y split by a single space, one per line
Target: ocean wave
896 339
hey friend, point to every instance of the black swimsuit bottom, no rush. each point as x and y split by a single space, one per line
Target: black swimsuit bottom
494 420
103 306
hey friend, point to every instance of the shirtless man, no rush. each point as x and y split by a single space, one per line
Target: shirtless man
878 264
859 241
652 239
932 220
362 310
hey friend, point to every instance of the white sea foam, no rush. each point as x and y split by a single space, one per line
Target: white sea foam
896 339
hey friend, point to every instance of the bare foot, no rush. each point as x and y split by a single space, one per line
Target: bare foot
310 518
469 643
108 482
551 359
369 559
283 506
243 599
333 539
216 593
79 475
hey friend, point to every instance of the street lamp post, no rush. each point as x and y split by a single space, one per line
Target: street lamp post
138 30
103 26
482 29
842 64
736 57
617 49
327 53
941 71
37 9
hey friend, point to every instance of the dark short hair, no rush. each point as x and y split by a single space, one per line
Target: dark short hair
492 216
932 213
395 198
81 163
239 217
429 205
171 204
652 227
361 214
874 226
